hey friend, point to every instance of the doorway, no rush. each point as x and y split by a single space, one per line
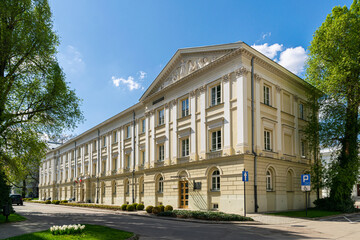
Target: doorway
184 194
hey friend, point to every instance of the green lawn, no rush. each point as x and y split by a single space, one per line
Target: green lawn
312 213
91 232
12 218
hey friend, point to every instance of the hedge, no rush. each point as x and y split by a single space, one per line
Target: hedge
140 207
205 215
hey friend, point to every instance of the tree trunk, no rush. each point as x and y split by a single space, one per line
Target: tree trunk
23 189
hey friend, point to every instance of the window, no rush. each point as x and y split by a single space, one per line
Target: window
215 95
185 107
104 141
267 140
161 185
128 132
142 158
141 185
267 95
114 190
161 117
269 185
104 188
215 181
301 111
161 153
127 186
86 149
94 146
185 147
216 140
215 205
143 126
128 161
303 152
115 137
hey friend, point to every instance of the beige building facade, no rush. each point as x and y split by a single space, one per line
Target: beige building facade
211 113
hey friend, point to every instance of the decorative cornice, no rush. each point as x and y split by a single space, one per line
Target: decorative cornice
173 102
193 93
278 88
241 72
257 77
202 89
167 105
226 77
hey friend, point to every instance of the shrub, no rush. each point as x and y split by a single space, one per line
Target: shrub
167 214
156 210
123 207
47 202
161 207
140 206
135 205
329 204
168 208
130 207
213 216
56 202
149 209
64 201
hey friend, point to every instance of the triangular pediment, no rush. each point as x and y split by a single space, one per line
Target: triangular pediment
187 61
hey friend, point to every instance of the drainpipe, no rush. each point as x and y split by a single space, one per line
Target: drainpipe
133 170
75 168
98 166
252 135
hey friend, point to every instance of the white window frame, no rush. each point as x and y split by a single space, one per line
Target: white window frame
185 147
143 125
267 140
161 117
161 153
161 185
267 95
215 180
216 140
115 137
185 110
269 180
215 95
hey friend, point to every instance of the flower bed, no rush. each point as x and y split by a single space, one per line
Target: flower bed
67 229
205 215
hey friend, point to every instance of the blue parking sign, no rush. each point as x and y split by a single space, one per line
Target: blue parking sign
245 176
305 180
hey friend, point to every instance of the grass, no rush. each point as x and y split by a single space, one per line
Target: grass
12 218
91 232
311 213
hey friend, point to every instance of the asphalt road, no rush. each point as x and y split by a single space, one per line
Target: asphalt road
41 217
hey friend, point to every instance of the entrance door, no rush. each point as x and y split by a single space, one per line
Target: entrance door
184 194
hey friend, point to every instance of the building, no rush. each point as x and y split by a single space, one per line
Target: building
190 136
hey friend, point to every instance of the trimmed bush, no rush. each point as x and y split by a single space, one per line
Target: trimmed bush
156 210
168 208
140 206
123 207
135 205
57 202
149 209
213 216
47 202
161 207
63 201
130 207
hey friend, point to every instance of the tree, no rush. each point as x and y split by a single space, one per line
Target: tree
334 67
35 99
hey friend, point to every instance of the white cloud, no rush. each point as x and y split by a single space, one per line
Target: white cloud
266 35
142 75
293 59
71 60
130 83
269 51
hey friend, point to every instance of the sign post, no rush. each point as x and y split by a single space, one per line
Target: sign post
245 178
306 187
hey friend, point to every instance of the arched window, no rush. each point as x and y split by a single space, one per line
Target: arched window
269 180
289 181
215 181
161 185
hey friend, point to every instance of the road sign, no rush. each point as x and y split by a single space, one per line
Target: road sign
245 176
305 182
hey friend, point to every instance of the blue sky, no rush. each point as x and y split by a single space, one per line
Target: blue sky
112 50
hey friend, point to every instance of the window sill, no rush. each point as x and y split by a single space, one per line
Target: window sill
214 190
212 106
184 117
270 190
269 105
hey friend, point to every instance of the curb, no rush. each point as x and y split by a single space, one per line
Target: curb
135 237
118 212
